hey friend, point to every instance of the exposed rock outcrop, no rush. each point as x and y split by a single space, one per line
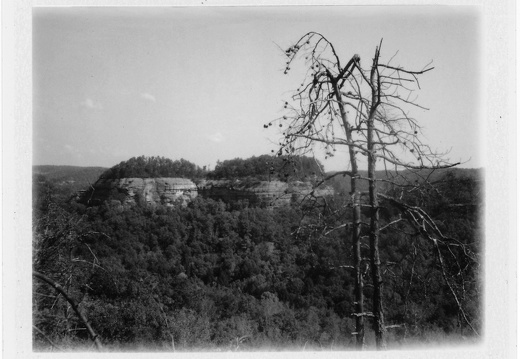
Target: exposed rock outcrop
148 190
169 191
268 193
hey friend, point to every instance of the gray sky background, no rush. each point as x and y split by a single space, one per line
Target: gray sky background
199 83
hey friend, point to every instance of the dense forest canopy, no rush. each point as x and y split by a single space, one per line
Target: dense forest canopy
153 167
238 277
266 167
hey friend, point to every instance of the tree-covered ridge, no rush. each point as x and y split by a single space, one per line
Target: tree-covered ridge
153 167
266 167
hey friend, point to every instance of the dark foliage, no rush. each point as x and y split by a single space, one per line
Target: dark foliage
149 167
239 277
283 168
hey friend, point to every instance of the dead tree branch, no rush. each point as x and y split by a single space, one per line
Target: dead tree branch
95 337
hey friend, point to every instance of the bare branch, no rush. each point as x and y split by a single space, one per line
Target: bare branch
95 338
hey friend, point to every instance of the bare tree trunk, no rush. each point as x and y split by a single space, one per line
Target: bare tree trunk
59 289
356 227
375 261
358 282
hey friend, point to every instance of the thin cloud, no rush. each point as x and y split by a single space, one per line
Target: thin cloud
216 137
148 97
91 104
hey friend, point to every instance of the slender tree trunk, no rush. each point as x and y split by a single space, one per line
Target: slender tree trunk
358 282
375 261
356 228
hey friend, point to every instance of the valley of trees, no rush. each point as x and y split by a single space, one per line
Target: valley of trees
229 276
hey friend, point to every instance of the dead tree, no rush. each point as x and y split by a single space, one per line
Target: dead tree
366 111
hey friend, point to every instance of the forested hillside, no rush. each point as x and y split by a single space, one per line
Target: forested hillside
69 174
69 178
231 276
265 167
60 183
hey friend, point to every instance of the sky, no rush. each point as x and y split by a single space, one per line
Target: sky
199 83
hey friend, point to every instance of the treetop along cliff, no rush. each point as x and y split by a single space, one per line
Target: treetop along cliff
267 167
153 167
264 167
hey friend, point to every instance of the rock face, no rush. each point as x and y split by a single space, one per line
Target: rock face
265 193
150 190
170 191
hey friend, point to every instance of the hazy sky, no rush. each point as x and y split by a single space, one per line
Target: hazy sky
199 83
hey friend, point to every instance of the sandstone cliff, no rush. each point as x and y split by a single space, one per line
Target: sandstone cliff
268 193
169 191
149 190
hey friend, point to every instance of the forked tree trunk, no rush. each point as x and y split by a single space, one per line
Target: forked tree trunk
325 91
375 261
